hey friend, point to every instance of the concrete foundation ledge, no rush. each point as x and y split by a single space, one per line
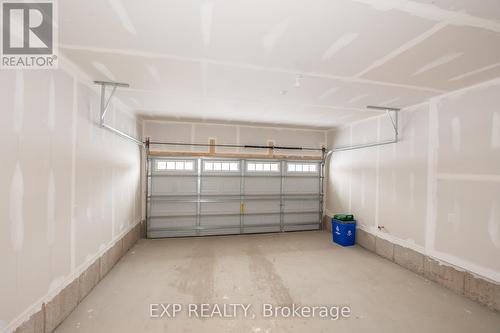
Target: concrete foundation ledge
365 239
89 279
408 258
461 282
445 275
58 308
384 248
482 291
35 324
327 223
61 306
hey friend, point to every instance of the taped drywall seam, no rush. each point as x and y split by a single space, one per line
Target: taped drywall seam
74 124
36 306
238 137
495 130
456 130
19 103
51 118
411 182
113 211
16 210
468 176
271 37
245 66
339 44
193 135
493 226
434 13
377 176
458 92
408 45
441 61
432 155
17 183
350 156
394 178
51 211
169 121
204 78
17 186
474 72
123 16
51 189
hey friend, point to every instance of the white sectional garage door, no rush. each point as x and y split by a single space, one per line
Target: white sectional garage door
213 196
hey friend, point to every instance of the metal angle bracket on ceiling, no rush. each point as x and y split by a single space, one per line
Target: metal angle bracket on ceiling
388 111
394 121
105 106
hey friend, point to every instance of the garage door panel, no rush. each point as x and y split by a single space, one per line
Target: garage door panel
261 219
220 185
262 222
162 208
220 207
262 206
260 229
309 205
174 222
299 218
180 185
171 233
220 221
219 231
262 185
297 185
301 227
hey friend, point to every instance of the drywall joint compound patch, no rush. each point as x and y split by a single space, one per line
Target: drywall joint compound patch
29 39
16 209
495 131
494 225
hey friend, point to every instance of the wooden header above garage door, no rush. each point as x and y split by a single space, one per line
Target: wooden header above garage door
212 152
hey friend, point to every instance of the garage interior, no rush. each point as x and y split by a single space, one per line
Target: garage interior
195 152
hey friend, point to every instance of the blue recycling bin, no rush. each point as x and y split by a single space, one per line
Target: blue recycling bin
344 232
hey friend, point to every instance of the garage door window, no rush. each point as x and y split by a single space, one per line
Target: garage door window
174 165
263 167
302 167
221 166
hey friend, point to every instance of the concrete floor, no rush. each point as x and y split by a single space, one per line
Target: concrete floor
304 268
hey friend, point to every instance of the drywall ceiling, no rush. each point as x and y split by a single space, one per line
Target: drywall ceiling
238 60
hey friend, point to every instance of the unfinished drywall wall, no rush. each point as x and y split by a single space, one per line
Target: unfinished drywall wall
171 131
68 190
438 190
